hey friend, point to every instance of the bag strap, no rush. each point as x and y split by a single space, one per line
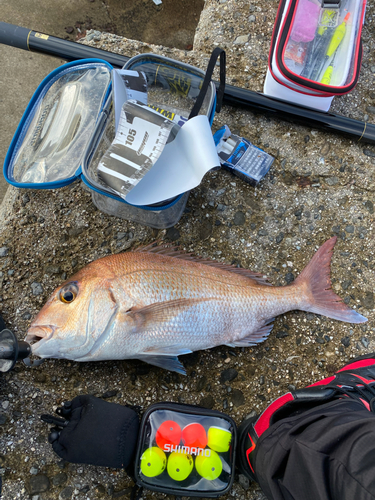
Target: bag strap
207 79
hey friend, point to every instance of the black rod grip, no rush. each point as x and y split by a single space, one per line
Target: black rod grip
13 35
34 41
71 51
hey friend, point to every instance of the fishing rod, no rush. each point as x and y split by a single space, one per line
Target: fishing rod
26 39
13 350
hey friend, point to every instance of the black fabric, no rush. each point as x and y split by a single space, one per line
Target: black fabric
304 399
326 453
97 433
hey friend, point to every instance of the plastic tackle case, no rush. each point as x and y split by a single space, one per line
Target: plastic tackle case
186 450
316 51
69 123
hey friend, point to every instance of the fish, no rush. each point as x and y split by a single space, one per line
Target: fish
156 303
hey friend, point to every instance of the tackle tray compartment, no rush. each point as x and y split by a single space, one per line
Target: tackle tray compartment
172 90
160 216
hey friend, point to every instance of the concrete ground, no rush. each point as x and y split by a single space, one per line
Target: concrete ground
171 24
321 185
22 71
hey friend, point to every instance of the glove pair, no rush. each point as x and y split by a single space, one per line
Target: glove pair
93 431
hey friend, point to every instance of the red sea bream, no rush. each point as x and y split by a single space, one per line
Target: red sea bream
156 303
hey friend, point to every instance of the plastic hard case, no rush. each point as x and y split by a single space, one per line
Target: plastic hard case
186 451
316 51
69 123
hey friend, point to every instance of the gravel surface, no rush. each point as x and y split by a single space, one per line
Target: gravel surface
320 185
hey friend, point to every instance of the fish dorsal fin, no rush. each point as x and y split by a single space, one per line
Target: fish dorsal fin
177 253
160 312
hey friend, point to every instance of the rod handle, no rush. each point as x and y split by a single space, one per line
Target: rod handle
13 35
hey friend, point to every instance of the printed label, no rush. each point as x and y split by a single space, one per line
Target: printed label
189 450
178 82
41 35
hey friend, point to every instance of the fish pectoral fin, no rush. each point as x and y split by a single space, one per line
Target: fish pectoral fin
255 337
170 363
160 312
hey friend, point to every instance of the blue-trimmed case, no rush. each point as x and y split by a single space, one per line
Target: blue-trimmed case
70 120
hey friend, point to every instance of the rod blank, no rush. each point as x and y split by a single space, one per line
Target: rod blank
256 102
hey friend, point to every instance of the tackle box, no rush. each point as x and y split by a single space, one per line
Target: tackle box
186 450
69 123
316 51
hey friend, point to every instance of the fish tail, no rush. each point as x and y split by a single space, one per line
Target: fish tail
315 280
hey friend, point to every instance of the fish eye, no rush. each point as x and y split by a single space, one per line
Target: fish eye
68 293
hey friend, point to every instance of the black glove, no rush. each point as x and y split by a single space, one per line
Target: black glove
96 432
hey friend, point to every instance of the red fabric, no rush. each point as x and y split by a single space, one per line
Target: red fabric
325 381
365 403
264 420
252 448
358 364
365 380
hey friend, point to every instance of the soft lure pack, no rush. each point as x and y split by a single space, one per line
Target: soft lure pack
69 124
316 51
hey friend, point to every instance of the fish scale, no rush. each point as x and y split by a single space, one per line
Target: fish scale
158 303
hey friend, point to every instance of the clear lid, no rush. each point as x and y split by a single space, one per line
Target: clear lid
187 453
60 124
322 43
172 86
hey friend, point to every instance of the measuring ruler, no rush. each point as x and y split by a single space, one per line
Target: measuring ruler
140 139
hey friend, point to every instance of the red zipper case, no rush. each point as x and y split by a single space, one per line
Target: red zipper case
316 51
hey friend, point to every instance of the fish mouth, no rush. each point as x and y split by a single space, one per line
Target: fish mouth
38 333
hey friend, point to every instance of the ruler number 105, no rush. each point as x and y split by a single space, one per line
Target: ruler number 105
130 137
